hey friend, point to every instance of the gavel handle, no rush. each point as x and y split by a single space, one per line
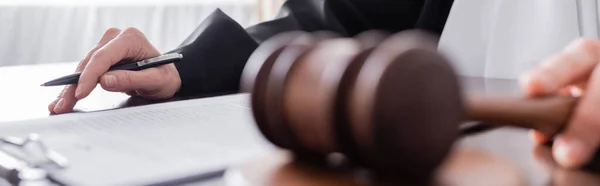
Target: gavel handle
547 114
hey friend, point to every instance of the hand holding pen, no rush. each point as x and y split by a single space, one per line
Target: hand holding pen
102 66
135 66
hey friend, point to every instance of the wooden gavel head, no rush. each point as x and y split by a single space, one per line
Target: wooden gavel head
391 103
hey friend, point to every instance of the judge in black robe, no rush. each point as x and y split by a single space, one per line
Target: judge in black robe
216 52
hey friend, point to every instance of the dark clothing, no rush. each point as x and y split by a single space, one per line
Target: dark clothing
216 52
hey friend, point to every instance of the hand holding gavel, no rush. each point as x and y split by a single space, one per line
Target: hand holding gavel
391 103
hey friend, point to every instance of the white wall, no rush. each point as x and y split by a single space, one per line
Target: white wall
51 31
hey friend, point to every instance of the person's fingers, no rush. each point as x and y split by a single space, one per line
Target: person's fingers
562 177
109 35
148 82
576 89
577 144
543 157
68 101
538 137
125 80
575 62
53 104
130 44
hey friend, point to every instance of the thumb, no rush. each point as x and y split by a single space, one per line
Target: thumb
126 81
580 140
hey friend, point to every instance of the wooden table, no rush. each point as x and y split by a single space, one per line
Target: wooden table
503 156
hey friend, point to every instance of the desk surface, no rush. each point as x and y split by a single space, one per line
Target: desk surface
503 156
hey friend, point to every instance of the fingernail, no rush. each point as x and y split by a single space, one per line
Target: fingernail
53 105
537 136
538 83
78 91
59 104
525 82
576 91
110 81
571 152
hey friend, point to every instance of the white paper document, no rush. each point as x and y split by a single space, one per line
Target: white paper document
149 144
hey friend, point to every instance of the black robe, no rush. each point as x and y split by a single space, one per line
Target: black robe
216 52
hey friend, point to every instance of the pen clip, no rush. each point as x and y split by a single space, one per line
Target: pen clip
165 57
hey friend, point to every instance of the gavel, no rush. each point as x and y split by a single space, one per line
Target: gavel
390 102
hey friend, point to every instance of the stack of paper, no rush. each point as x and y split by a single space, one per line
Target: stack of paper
149 144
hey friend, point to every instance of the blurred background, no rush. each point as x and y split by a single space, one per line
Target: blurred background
57 31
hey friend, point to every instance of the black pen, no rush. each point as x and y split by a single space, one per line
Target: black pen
136 66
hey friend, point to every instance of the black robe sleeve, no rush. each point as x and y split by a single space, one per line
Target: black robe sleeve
214 55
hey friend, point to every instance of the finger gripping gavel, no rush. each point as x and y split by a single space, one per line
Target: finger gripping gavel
392 103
